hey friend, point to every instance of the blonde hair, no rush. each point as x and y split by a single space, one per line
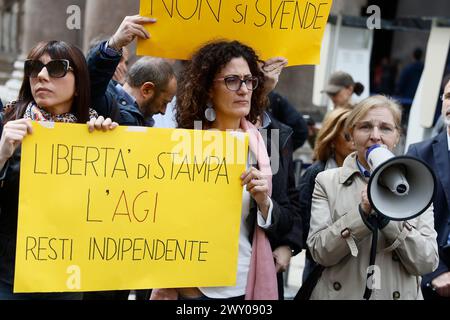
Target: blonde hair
369 103
332 126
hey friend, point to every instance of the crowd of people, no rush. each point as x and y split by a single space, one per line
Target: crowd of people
225 86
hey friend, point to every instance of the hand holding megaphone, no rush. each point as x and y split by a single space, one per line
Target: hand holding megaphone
365 203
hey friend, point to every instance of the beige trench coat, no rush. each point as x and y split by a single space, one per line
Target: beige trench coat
340 240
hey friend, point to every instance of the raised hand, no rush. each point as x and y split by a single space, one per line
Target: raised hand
12 136
130 28
272 69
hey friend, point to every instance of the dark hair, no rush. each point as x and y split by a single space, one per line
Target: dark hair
358 88
197 79
58 50
149 69
445 80
417 54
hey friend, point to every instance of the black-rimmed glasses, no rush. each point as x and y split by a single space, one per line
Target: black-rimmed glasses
55 68
234 83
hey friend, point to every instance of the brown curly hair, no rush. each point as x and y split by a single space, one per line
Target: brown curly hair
197 79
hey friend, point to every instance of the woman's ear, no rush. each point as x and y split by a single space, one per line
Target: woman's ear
347 137
350 90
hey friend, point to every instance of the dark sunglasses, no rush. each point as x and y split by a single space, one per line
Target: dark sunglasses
55 68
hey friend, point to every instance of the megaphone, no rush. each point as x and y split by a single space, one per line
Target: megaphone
399 188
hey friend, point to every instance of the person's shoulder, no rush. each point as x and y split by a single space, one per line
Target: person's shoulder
421 145
277 101
274 96
330 172
129 115
315 167
329 175
277 124
328 179
425 149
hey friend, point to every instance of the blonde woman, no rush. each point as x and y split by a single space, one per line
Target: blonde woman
342 218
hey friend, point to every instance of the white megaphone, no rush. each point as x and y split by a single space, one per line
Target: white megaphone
399 188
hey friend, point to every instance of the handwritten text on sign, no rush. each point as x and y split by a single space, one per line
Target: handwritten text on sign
292 29
128 209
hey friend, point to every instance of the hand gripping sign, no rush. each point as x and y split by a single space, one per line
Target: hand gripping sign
292 29
134 208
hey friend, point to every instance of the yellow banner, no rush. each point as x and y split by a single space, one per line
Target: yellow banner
292 29
134 208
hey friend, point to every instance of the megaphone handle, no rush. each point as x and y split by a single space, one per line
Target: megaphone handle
373 252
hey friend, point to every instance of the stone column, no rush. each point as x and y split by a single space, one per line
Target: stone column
103 17
47 20
43 20
10 35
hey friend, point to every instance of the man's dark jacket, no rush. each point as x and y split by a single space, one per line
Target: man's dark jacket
434 152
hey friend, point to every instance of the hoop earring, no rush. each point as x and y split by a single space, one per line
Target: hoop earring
210 113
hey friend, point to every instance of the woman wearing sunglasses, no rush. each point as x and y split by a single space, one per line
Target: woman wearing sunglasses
222 87
55 88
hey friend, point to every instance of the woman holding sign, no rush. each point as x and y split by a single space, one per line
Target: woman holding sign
55 88
223 88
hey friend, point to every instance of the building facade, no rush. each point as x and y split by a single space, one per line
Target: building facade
23 23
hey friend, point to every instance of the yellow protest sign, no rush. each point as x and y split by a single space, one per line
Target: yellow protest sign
133 208
292 29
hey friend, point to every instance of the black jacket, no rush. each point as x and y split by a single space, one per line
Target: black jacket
435 153
284 112
306 188
107 100
286 226
9 202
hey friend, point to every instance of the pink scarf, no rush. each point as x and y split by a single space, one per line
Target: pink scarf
262 276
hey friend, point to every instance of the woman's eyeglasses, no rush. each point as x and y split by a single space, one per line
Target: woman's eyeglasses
55 68
234 83
385 129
